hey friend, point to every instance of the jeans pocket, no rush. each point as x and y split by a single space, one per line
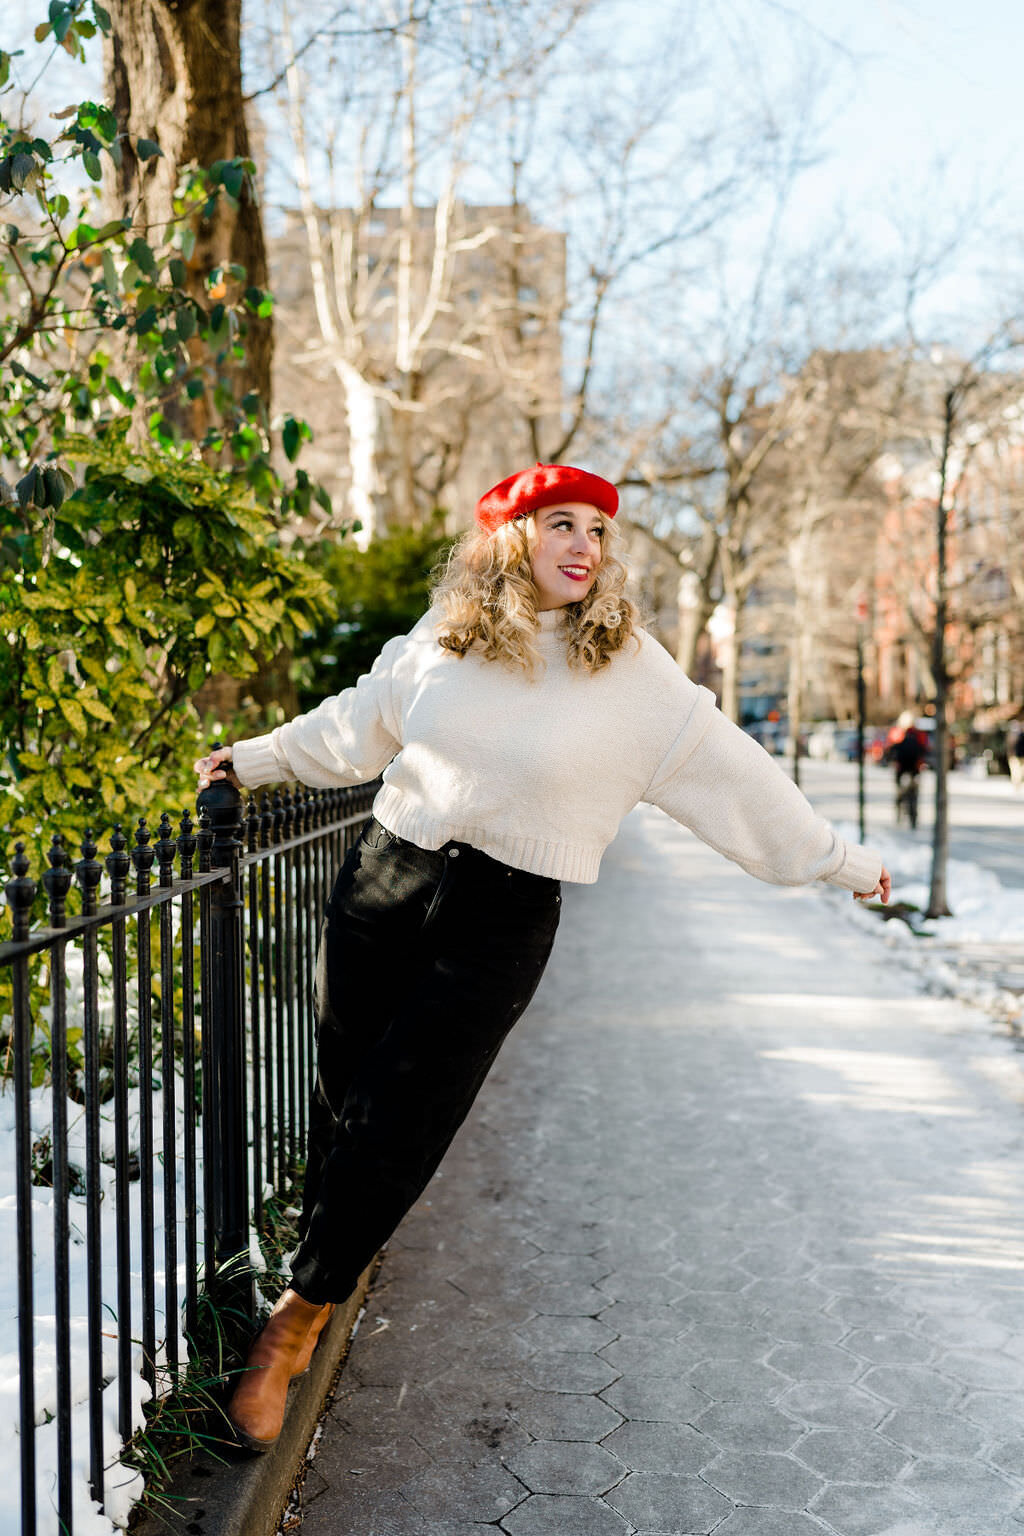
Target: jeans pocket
374 837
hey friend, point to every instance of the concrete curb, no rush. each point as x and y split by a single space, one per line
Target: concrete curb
243 1494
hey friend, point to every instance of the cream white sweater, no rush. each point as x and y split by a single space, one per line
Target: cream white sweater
538 772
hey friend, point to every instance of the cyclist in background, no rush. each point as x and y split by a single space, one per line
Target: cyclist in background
908 755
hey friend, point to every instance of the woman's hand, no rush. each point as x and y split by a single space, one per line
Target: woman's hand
216 766
883 888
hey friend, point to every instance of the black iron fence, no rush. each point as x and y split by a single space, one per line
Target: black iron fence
142 1169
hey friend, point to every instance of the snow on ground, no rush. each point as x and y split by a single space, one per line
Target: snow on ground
985 913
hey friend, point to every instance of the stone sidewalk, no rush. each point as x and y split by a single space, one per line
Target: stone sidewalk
732 1241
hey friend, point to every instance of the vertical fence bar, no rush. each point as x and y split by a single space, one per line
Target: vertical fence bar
289 980
280 1056
252 834
57 879
302 820
89 872
142 858
225 1164
186 850
165 851
118 865
267 965
21 893
207 1067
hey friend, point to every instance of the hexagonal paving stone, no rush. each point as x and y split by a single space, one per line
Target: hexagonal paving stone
661 1398
814 1362
658 1501
870 1312
737 1425
816 1402
752 1477
568 1298
887 1346
652 1320
851 1280
1008 1456
387 1460
801 1327
908 1386
967 1332
718 1277
647 1447
551 1268
565 1333
738 1378
653 1357
724 1341
564 1415
566 1372
852 1455
542 1515
995 1411
983 1368
856 1509
960 1487
624 1285
931 1432
451 1490
565 1466
768 1522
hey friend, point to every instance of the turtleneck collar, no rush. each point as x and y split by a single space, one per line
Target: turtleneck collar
551 620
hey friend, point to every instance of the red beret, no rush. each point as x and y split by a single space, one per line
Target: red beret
544 485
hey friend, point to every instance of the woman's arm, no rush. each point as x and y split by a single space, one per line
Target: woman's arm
345 740
736 798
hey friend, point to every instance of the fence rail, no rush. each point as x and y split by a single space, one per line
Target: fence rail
186 1108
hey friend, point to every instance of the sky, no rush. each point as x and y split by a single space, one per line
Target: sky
922 107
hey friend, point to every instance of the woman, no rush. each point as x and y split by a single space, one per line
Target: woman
516 725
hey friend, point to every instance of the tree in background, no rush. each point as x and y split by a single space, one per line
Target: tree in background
174 78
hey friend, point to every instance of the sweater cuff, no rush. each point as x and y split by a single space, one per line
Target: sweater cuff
255 762
860 870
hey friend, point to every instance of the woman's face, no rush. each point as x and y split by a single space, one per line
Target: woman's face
565 551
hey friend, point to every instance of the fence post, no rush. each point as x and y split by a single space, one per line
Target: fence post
225 1127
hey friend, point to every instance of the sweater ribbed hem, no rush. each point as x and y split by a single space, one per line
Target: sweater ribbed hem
859 871
557 861
255 762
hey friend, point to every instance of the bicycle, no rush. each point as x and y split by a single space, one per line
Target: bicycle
906 799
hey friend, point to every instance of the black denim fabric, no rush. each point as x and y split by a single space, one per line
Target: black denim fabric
427 959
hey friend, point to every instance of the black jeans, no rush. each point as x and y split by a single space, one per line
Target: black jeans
426 961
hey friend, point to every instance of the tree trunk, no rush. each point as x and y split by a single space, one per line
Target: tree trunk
695 604
174 74
938 904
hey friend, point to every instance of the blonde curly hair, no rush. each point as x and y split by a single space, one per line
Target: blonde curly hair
487 600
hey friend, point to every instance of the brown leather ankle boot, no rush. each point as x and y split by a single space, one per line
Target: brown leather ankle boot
256 1409
316 1328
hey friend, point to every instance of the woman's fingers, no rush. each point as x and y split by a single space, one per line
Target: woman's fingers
216 765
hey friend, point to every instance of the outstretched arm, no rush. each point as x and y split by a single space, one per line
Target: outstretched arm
727 789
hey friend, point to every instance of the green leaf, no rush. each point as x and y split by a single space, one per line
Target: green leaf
102 16
146 321
5 67
148 149
12 234
22 167
291 437
142 254
72 712
177 271
109 272
232 179
185 322
91 161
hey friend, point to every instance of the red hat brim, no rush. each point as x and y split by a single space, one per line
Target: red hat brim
544 485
